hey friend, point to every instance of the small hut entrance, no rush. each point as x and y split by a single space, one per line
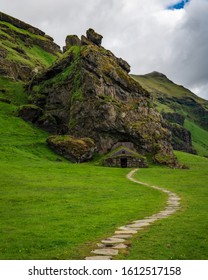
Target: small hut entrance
123 162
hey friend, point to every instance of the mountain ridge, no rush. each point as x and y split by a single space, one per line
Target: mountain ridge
175 102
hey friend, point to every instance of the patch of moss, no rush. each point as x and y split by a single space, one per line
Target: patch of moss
48 117
165 159
37 54
31 106
72 123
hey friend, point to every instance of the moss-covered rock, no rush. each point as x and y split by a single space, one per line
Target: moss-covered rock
90 93
30 112
74 149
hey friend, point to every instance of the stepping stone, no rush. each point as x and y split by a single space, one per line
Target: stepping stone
128 227
139 225
100 245
113 240
166 191
99 258
173 204
161 216
107 252
143 221
169 212
120 246
152 218
122 236
123 228
125 232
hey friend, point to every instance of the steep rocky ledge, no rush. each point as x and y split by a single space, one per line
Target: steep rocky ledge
181 137
24 49
89 93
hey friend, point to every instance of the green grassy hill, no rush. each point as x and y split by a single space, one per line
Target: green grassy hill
53 209
172 98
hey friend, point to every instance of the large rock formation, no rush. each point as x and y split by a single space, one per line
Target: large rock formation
88 93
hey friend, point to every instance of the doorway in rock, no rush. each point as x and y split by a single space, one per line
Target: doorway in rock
123 162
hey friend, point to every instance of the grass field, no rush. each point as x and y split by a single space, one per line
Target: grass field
52 209
184 234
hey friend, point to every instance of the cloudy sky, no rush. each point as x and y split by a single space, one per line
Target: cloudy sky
168 36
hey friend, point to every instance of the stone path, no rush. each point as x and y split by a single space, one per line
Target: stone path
109 247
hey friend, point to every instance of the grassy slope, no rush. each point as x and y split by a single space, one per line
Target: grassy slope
163 88
199 136
184 234
52 209
33 55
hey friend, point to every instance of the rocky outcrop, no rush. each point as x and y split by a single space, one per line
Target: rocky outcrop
30 113
174 118
74 149
88 93
94 37
181 137
71 40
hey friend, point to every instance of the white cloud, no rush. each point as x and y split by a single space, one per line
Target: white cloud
143 32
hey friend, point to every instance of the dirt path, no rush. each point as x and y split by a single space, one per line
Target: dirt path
110 247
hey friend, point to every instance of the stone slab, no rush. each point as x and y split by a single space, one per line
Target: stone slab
125 232
138 225
113 240
100 245
150 220
122 236
120 246
99 258
107 252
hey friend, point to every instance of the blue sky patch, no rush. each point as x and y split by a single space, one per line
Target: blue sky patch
179 5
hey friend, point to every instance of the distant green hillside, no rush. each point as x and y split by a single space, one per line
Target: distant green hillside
169 97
